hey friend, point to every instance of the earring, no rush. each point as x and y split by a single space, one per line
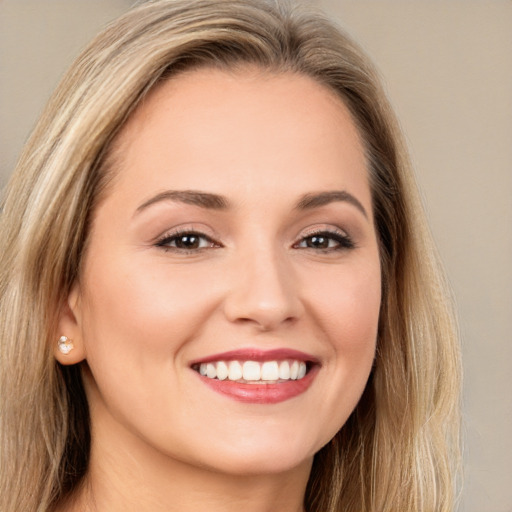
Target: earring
65 345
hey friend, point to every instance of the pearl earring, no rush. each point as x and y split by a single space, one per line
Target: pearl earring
65 345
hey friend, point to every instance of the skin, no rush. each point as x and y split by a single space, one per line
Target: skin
161 438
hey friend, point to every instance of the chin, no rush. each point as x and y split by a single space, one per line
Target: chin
267 454
259 465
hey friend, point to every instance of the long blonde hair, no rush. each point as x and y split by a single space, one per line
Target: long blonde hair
399 448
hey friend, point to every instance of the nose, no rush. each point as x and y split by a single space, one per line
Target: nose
263 291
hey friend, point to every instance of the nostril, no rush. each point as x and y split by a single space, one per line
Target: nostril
266 323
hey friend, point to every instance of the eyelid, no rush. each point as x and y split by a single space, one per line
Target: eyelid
310 231
188 227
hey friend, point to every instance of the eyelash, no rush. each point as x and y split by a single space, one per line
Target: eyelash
343 241
164 242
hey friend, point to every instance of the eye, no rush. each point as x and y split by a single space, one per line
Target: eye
326 241
186 241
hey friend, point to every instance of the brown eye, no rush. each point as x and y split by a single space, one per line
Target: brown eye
326 241
317 242
189 241
186 242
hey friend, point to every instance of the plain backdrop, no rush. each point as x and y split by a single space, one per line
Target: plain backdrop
447 66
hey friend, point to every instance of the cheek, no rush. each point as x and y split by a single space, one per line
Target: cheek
344 302
143 307
347 305
136 319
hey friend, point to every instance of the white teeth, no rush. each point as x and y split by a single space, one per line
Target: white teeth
284 370
270 371
235 370
222 370
211 371
253 371
302 370
294 370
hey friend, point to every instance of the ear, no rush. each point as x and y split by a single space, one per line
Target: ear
70 326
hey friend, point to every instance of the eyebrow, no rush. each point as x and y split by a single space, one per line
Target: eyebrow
309 201
193 197
217 202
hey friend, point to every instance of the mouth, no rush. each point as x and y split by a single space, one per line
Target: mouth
254 372
256 376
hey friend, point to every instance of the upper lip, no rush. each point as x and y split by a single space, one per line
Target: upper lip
254 354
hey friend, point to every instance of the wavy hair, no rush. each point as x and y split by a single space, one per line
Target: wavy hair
399 449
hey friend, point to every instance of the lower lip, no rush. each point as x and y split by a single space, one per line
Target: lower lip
262 393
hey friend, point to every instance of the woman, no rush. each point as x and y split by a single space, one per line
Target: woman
217 286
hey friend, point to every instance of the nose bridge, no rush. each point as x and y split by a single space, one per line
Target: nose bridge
263 289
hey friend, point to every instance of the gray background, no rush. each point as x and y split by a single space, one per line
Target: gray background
447 66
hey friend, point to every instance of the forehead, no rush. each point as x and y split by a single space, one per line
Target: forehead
209 128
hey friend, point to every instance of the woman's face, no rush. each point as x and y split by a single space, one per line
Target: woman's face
236 240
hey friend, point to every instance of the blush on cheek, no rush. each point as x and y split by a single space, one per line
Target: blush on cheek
351 307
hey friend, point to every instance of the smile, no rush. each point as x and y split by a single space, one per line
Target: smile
254 371
258 377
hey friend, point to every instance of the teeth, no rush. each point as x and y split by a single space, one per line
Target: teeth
222 370
270 371
284 370
211 370
253 371
294 370
302 370
235 370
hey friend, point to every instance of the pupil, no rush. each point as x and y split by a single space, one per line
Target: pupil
318 242
188 241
